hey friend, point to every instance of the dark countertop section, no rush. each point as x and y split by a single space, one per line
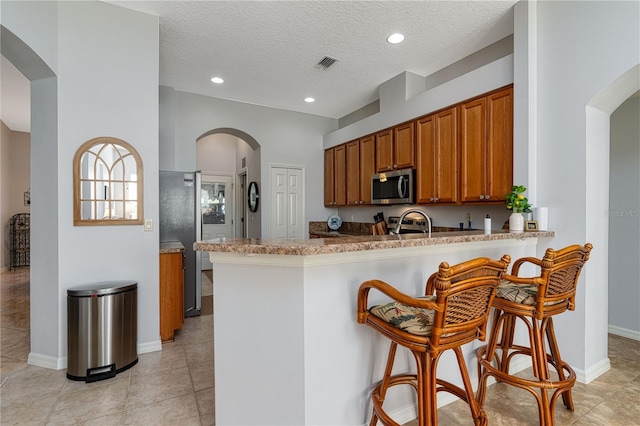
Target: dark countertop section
171 247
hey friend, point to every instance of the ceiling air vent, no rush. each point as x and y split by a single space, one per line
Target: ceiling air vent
326 63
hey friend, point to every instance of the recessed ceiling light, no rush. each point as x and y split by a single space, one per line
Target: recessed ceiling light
217 80
309 99
395 38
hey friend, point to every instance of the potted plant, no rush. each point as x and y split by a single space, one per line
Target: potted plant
518 204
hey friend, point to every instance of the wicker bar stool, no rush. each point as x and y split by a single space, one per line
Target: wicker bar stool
534 301
453 312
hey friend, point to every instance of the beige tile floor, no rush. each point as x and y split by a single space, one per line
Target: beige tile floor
170 387
175 386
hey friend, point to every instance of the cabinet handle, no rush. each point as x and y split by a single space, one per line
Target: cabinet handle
395 166
431 199
482 197
436 199
486 197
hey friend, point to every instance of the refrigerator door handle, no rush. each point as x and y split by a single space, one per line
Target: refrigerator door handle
198 218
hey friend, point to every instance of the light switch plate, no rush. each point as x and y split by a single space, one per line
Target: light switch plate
148 224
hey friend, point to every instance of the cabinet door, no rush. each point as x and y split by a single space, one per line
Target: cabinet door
500 144
340 164
473 150
446 156
353 173
384 151
403 146
171 294
425 173
329 178
367 167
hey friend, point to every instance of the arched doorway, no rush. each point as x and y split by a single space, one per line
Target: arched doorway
232 152
44 338
598 119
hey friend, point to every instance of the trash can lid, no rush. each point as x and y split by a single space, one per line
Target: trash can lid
102 288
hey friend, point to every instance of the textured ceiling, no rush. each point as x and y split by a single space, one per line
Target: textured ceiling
266 51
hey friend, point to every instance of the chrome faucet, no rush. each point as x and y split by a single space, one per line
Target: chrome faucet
407 213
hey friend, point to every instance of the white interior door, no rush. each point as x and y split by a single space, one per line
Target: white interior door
216 205
286 211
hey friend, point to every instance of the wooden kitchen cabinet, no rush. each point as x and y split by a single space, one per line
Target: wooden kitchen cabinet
486 147
335 185
360 162
395 148
329 177
367 167
171 294
437 157
353 172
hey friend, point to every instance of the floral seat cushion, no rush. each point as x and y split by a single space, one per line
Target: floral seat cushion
525 294
407 318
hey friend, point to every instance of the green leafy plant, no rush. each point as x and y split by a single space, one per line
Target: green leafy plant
516 200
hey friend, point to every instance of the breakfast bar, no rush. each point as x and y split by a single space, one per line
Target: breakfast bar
287 347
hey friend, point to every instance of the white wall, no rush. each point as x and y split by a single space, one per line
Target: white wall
582 48
624 220
216 154
106 84
284 137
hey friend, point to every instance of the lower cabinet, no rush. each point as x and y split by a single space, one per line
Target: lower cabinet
171 294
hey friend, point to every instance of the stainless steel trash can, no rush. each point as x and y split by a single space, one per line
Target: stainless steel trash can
102 330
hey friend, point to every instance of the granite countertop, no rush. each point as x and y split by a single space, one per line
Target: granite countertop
355 243
171 247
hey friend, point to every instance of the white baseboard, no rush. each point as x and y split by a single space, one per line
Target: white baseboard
54 363
624 332
46 361
144 348
593 372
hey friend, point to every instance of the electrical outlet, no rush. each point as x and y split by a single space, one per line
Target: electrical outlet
148 224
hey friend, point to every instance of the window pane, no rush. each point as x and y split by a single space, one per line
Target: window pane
117 173
101 210
117 210
96 148
130 168
131 191
102 190
86 192
117 191
131 211
86 210
212 201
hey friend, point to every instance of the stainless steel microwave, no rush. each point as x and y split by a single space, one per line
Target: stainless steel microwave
396 187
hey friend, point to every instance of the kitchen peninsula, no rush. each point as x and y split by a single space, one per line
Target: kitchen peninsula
288 349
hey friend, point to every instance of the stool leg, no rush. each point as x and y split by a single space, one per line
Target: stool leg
567 398
478 414
426 389
385 381
489 354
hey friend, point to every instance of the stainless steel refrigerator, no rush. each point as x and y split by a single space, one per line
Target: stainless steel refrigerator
180 220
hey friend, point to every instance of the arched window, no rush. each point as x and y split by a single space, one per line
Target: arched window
107 183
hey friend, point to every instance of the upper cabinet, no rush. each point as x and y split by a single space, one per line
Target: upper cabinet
360 160
486 147
353 173
395 148
367 167
329 178
462 154
335 192
437 158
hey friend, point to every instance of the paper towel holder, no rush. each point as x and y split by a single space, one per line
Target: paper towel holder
531 225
